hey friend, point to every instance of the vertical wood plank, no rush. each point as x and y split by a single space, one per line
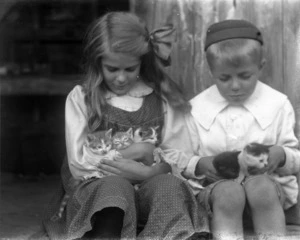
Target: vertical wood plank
291 58
192 18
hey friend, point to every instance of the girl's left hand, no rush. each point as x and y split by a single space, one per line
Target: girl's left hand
276 158
127 168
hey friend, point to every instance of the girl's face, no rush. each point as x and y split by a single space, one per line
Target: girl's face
120 71
236 83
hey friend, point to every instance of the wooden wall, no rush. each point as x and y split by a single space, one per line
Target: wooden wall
278 20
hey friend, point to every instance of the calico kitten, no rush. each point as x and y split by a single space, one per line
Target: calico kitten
146 135
99 142
235 164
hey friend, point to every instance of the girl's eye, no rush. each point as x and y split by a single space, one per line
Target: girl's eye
111 69
131 69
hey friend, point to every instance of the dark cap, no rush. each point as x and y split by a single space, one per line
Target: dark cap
229 29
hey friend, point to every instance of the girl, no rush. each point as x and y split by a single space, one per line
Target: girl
125 87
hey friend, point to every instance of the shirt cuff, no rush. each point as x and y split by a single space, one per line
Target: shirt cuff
290 166
191 167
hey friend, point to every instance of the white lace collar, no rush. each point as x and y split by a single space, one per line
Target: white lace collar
139 90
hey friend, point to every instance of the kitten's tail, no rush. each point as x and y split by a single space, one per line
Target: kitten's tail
62 206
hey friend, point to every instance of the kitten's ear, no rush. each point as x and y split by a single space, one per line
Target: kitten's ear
90 137
108 133
130 132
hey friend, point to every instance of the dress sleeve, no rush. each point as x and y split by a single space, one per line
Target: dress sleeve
180 142
76 132
289 142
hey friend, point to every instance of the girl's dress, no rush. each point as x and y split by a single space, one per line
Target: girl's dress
164 204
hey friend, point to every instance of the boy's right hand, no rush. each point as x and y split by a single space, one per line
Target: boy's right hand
205 167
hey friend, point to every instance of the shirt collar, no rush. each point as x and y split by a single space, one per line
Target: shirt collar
207 105
139 90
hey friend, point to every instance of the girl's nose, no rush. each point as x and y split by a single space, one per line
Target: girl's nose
121 77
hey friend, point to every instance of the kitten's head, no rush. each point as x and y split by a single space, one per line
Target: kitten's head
122 140
146 135
99 142
255 155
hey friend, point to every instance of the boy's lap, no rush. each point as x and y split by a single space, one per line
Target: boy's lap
204 197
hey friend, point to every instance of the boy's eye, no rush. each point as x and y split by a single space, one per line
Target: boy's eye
245 76
224 78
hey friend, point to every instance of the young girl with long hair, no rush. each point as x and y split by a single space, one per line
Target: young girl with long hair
125 87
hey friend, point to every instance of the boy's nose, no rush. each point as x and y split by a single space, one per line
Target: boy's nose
235 84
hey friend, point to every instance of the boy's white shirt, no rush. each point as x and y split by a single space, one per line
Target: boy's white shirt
215 126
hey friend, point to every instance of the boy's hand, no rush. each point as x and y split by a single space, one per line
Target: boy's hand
276 158
205 167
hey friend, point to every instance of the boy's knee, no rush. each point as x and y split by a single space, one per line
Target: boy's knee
228 196
261 192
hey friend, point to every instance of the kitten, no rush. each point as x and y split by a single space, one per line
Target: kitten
122 140
99 142
235 164
146 135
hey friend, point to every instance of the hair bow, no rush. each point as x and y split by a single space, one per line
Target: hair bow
161 40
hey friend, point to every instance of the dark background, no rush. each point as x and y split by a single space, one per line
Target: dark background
40 62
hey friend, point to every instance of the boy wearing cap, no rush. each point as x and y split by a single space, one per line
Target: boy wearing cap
239 109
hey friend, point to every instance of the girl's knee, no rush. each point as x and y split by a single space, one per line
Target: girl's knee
228 196
164 181
114 182
165 185
261 192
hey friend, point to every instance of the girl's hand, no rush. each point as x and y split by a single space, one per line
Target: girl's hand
276 158
141 152
127 168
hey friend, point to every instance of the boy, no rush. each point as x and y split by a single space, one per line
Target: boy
239 109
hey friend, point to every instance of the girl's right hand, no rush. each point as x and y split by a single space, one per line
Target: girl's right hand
140 152
127 168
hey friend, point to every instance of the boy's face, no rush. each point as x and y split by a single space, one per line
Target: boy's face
236 83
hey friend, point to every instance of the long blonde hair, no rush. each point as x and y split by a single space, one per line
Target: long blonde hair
123 32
